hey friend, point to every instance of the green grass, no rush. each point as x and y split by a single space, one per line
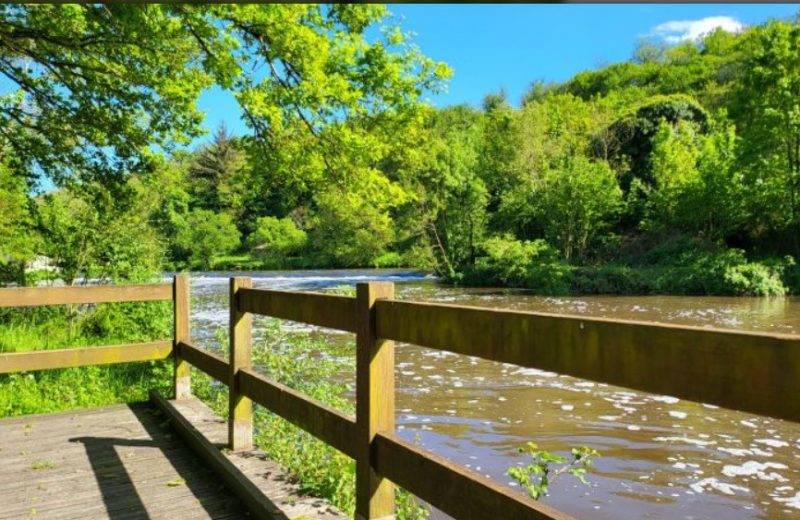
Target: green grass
50 391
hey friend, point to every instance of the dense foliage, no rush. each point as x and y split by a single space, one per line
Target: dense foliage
677 171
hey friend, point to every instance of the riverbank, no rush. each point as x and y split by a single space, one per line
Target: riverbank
724 272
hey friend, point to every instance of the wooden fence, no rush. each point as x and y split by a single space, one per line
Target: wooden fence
753 372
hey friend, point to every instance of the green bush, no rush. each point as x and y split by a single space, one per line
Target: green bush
720 272
611 279
389 259
276 238
204 235
520 263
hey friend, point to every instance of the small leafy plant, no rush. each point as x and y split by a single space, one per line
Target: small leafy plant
536 477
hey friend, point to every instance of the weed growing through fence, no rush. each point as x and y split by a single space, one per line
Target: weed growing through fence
545 467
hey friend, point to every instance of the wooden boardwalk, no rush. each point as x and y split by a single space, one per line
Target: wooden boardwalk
123 462
127 462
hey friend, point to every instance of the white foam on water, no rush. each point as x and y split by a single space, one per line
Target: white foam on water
752 468
685 440
774 443
736 452
533 372
793 502
609 417
761 453
677 415
714 484
749 424
567 407
665 399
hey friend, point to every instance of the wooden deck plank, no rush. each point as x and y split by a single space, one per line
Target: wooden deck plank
252 466
115 462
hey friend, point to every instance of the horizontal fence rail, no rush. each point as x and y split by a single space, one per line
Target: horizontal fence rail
456 490
81 357
753 372
739 370
318 419
36 296
210 363
323 310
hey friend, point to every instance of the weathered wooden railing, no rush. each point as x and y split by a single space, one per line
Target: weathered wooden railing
100 355
753 372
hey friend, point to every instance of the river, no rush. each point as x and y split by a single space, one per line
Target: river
660 457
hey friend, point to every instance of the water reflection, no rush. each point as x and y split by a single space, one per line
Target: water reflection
662 457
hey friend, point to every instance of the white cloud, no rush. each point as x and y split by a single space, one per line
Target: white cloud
682 30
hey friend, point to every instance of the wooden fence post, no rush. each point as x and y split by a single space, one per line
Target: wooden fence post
182 381
374 402
240 416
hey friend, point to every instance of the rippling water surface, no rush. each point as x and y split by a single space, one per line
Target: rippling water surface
661 457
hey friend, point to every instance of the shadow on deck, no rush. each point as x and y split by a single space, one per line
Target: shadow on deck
126 462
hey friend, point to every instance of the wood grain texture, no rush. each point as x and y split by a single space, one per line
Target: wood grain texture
113 462
210 363
80 357
375 407
752 372
34 296
262 484
240 415
182 379
323 310
318 419
457 491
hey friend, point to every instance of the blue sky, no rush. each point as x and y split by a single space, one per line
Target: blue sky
508 46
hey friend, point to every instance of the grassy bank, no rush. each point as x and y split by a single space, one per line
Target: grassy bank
23 330
673 267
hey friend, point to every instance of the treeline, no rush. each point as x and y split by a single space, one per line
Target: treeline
675 172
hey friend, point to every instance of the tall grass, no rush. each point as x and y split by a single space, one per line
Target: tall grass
23 330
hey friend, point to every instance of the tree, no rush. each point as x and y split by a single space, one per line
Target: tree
577 203
698 189
770 121
276 238
205 235
98 85
349 231
18 239
92 234
649 51
94 86
450 197
213 173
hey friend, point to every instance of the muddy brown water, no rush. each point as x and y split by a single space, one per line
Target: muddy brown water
660 457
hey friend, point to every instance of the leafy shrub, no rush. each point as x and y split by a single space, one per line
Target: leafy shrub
206 234
721 272
530 264
389 259
276 238
611 279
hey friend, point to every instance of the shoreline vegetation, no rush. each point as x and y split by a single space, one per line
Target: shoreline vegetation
676 172
697 272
